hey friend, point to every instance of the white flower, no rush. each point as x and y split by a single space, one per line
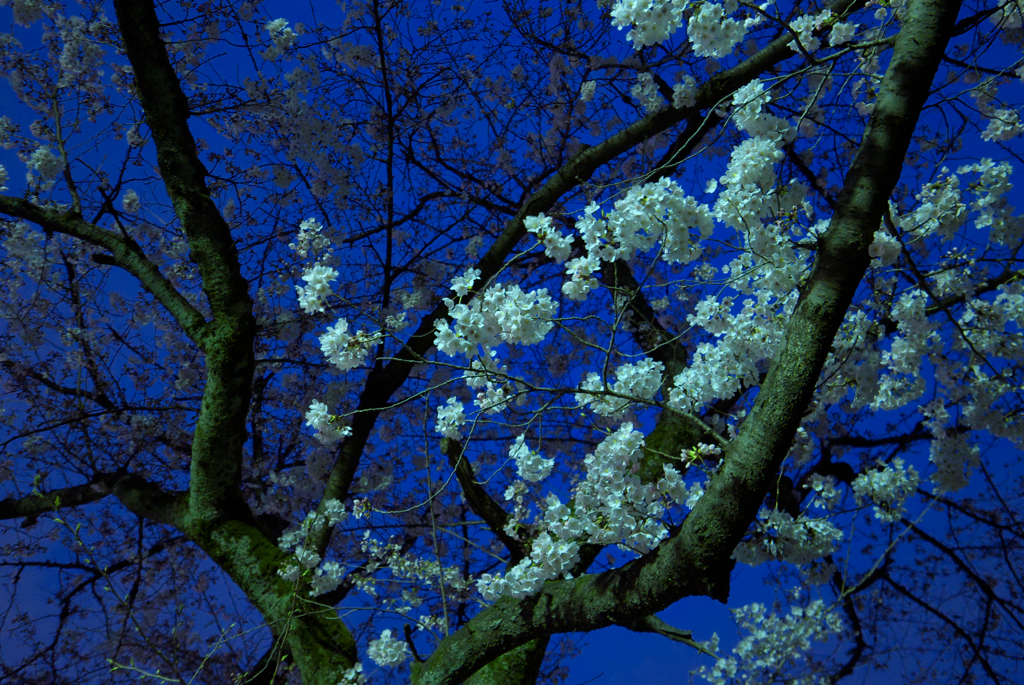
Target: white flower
450 417
684 94
954 459
556 245
532 467
345 350
712 33
884 250
773 641
130 202
888 488
282 36
782 538
646 91
841 33
353 676
26 12
318 418
805 27
641 380
587 91
650 21
46 164
309 238
387 651
499 314
462 284
1003 124
317 288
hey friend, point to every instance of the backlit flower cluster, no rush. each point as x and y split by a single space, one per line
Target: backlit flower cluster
887 488
650 22
531 466
611 506
782 538
282 36
317 288
451 416
329 430
641 380
387 651
500 314
712 32
773 643
652 215
347 350
46 164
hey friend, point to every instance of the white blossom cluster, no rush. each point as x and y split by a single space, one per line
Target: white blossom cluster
650 21
990 201
532 467
824 489
744 339
612 506
556 245
805 27
326 425
750 115
645 90
549 558
387 651
782 538
451 416
773 643
47 165
412 571
713 33
641 380
495 388
884 249
327 575
130 202
684 93
954 458
353 676
347 350
500 314
317 288
587 91
1003 124
900 381
27 12
842 32
887 488
940 210
283 37
648 215
82 53
310 239
675 488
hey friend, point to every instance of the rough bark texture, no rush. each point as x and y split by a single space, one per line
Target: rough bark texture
217 518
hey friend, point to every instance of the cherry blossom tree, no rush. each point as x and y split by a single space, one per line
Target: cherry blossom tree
405 341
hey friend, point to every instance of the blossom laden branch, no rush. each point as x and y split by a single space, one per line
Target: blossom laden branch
691 561
124 252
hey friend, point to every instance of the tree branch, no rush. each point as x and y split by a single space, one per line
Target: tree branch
694 560
125 253
230 362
